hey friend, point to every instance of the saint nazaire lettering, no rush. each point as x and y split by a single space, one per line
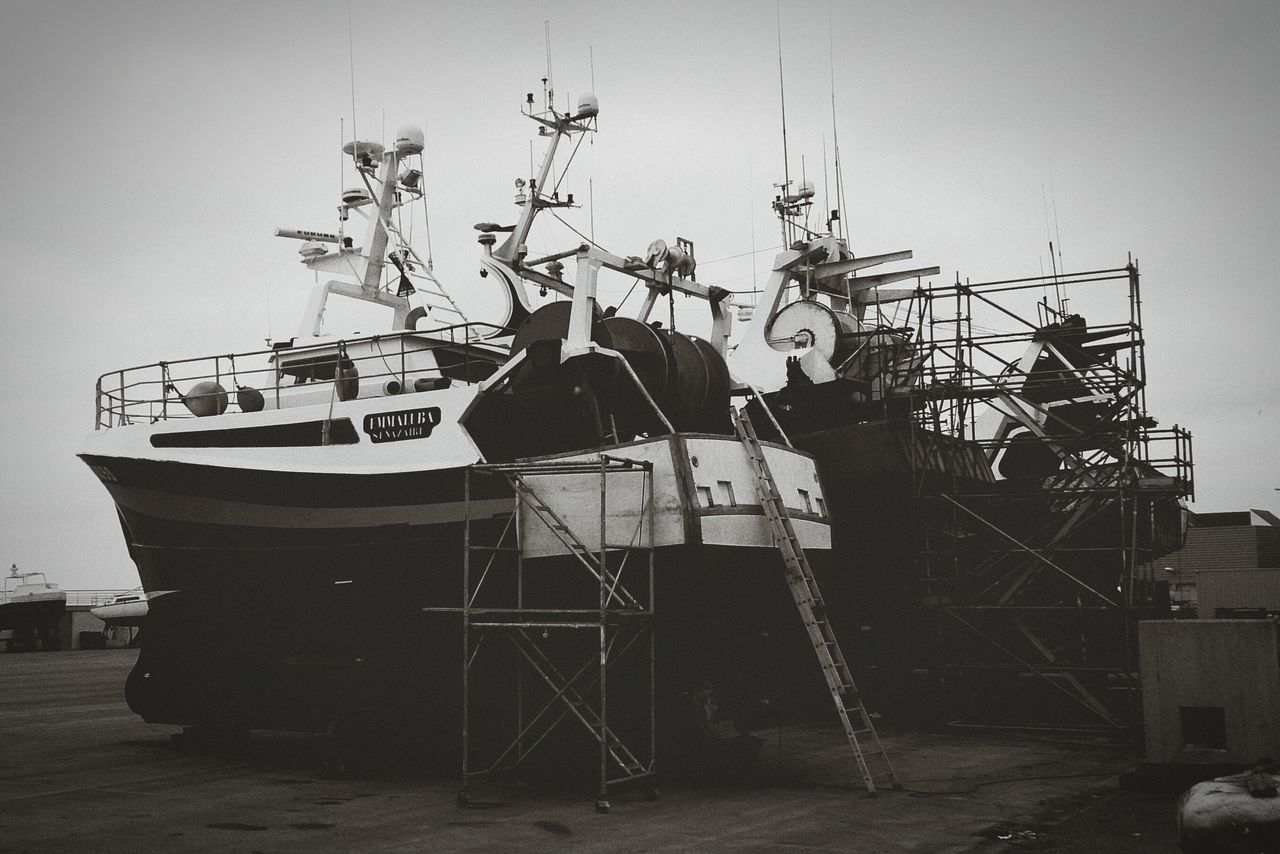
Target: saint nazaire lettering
402 424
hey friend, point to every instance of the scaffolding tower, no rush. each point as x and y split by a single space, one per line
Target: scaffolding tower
563 624
1042 573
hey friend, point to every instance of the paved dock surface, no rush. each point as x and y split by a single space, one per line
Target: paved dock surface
80 772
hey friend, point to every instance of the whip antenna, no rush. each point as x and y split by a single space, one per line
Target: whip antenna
782 91
550 82
835 135
351 62
591 189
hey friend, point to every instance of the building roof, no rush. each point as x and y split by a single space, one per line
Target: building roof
1241 518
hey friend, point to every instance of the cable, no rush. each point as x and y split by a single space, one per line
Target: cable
739 255
564 171
377 342
575 231
629 292
926 793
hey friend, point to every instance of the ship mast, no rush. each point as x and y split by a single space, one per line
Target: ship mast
555 126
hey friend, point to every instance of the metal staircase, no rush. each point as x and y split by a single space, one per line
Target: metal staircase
813 613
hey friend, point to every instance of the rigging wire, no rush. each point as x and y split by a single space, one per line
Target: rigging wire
835 133
377 342
753 251
751 212
782 91
629 292
565 170
574 230
426 211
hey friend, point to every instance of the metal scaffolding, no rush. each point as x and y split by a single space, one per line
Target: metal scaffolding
549 630
1044 572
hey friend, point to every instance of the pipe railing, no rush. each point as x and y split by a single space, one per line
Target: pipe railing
155 392
94 598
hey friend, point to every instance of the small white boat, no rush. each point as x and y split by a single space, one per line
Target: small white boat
127 609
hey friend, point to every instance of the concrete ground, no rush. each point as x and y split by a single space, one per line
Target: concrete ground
79 772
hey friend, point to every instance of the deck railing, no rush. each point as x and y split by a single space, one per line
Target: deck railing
93 598
80 598
151 393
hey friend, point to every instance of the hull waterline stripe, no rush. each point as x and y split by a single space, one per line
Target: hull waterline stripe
188 508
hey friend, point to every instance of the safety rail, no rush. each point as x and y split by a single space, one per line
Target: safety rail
296 375
75 598
1168 451
92 598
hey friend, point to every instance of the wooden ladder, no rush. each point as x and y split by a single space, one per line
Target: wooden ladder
813 613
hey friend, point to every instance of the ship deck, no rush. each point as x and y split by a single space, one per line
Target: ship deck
80 772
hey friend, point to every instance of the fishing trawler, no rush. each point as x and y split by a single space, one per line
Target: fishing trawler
308 509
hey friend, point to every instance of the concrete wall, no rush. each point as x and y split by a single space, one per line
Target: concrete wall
77 619
1238 588
1193 665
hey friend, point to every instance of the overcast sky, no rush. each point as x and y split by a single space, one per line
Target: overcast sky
150 148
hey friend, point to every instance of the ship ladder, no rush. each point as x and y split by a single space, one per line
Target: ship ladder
858 728
433 294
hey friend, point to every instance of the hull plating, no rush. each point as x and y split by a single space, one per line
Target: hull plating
299 598
32 620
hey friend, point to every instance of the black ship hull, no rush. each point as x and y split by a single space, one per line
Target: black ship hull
34 623
291 611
